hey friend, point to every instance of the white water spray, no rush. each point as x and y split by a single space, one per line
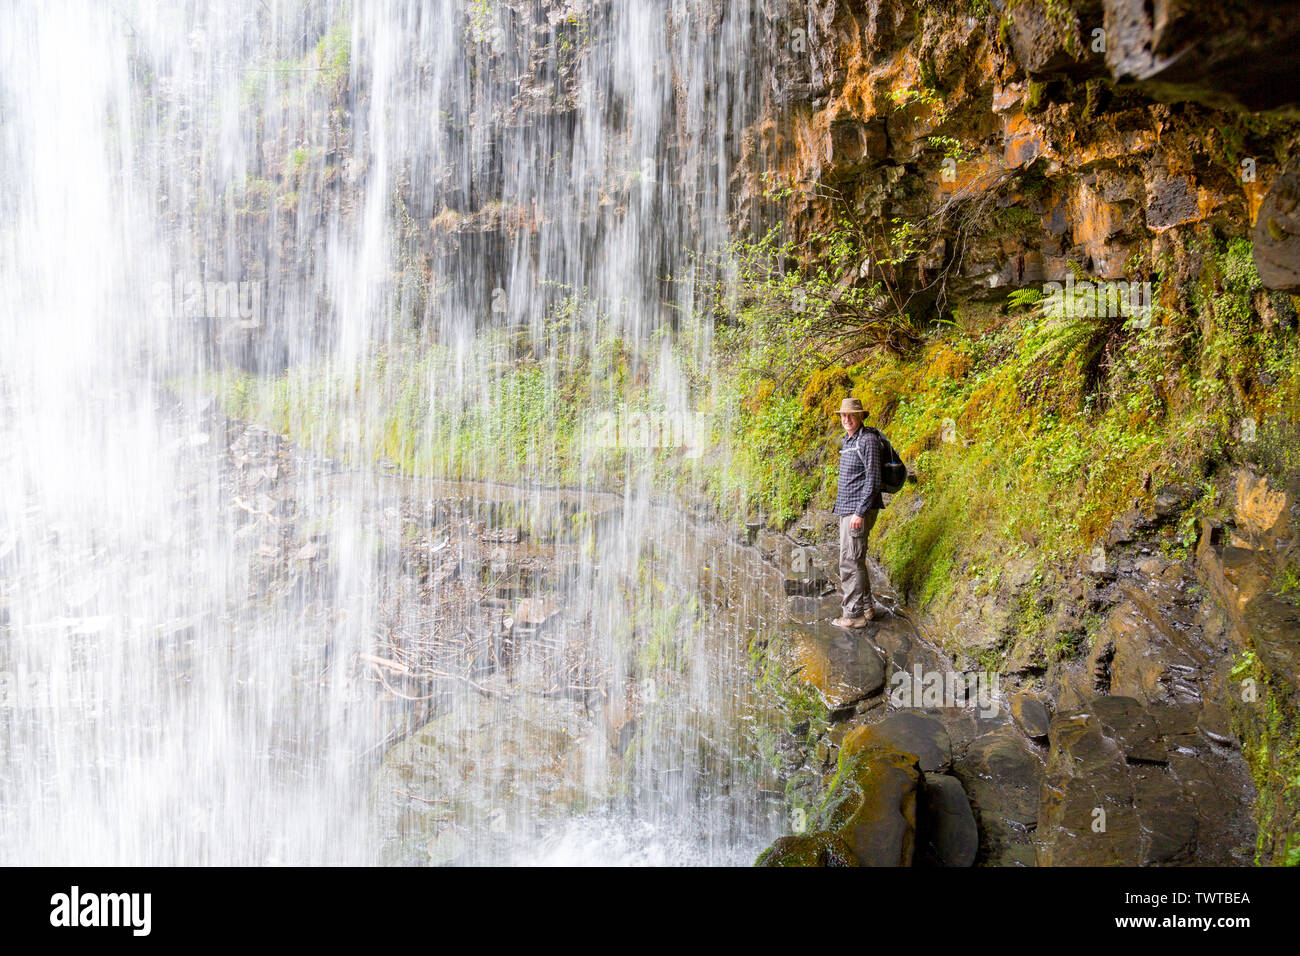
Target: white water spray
191 609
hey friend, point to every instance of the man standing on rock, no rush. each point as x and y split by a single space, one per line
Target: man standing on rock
858 504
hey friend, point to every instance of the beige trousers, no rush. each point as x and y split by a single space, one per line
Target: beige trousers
854 579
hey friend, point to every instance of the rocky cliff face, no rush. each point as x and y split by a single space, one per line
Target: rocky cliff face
518 150
1026 136
1043 141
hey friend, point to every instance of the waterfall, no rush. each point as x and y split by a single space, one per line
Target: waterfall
295 565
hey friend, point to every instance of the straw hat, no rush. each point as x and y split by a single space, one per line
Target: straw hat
852 406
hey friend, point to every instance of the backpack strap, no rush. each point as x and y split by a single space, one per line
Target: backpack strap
880 451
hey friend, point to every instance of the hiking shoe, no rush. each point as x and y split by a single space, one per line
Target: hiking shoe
850 622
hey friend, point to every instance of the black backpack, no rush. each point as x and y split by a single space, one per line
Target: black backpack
893 473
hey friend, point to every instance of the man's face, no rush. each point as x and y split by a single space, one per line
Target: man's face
850 422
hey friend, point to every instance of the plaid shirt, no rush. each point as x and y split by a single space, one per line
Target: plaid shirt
859 489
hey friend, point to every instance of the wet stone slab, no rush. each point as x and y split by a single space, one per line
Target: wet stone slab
841 665
1135 786
911 732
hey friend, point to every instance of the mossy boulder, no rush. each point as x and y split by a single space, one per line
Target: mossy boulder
870 809
811 849
873 801
910 732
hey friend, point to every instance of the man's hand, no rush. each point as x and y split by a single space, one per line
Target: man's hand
856 522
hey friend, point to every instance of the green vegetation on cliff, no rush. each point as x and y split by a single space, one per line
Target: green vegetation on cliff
1024 431
1272 750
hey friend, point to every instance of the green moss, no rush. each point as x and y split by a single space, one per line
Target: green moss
298 160
1267 722
334 56
813 849
1287 583
1015 220
797 699
1036 88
